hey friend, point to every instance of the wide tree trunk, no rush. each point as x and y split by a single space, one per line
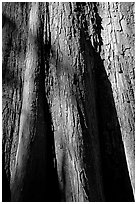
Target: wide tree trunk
68 101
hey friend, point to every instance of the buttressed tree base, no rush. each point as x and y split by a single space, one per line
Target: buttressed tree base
68 86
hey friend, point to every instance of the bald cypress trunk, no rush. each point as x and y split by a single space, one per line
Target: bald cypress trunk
66 129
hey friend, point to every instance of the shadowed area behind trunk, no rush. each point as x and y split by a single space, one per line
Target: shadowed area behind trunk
116 181
115 175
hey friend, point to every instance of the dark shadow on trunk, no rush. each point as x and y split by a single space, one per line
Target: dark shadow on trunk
115 175
117 185
40 181
44 186
116 181
52 184
6 194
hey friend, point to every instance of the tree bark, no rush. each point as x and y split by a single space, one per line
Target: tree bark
68 101
118 53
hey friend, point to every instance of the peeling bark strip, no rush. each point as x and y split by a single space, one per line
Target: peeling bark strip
65 118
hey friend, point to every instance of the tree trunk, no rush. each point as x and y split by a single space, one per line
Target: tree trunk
68 101
118 53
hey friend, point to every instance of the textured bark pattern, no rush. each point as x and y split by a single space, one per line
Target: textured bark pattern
33 160
66 76
118 53
74 121
13 50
